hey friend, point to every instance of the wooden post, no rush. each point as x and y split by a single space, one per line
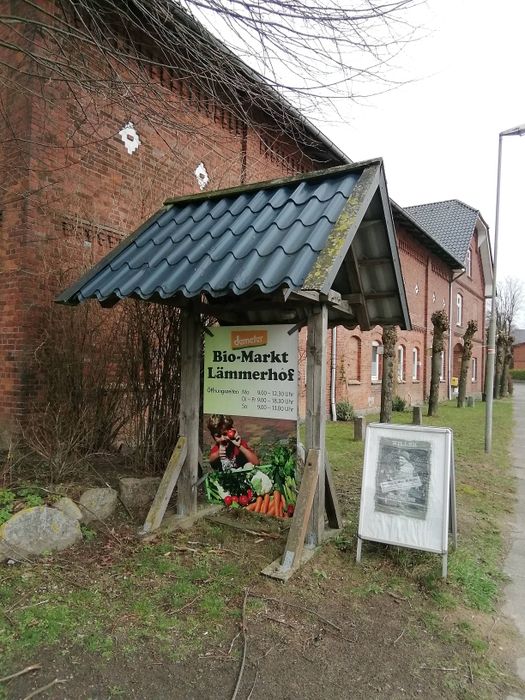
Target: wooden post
169 480
417 415
359 428
316 413
189 410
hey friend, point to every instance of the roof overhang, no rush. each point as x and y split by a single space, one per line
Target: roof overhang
485 252
338 248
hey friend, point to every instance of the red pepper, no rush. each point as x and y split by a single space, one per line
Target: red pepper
228 500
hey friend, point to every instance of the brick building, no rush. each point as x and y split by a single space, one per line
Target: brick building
80 170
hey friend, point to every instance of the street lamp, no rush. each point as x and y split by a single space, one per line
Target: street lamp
491 345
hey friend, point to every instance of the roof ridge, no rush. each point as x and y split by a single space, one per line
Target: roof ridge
276 182
443 201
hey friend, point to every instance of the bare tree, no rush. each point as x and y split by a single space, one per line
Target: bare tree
440 322
509 300
470 332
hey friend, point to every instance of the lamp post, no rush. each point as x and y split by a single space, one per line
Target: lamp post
491 344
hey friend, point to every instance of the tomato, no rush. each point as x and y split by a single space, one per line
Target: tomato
243 500
231 434
249 493
235 499
228 500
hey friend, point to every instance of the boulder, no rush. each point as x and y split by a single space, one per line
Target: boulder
35 531
98 504
69 508
138 494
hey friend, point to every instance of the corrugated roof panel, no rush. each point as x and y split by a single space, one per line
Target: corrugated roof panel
266 238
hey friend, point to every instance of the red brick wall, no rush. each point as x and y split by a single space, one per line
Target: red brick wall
71 190
427 285
518 354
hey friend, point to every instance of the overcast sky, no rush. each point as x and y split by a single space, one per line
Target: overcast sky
438 135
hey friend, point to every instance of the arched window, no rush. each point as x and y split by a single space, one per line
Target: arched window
469 262
415 364
374 370
459 310
442 367
354 359
401 374
474 361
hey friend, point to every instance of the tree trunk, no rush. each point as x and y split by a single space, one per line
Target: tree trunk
505 372
500 350
471 330
440 322
387 383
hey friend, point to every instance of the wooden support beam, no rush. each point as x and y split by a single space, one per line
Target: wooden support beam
190 378
167 484
303 508
315 424
331 501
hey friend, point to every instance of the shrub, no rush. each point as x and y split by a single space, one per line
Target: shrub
344 411
518 374
398 404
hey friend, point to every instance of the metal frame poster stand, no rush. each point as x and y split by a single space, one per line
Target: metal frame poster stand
381 519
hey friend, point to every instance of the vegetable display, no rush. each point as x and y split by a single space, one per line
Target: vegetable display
269 489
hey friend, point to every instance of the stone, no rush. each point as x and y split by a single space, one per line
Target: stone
69 508
98 504
35 531
138 494
417 415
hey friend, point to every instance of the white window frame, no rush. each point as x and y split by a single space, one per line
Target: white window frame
400 363
442 368
469 262
474 369
415 364
374 366
459 309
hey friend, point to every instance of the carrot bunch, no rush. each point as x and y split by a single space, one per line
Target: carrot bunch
272 505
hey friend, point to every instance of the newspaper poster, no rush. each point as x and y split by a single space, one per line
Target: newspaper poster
403 477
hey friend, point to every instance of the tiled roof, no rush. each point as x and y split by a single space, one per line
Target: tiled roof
451 223
262 238
293 234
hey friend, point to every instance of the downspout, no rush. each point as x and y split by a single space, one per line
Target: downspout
332 374
452 279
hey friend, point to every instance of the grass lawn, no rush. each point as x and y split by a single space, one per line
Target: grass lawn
117 617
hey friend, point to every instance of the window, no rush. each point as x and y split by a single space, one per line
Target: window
469 262
459 314
401 363
474 369
415 365
354 359
374 374
442 368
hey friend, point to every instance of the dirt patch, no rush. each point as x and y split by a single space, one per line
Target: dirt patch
381 643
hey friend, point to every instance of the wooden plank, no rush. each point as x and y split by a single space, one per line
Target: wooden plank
315 425
305 498
163 495
189 410
331 501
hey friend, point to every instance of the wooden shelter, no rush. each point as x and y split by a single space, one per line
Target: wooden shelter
316 250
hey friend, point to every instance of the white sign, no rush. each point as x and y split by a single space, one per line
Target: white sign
405 495
251 371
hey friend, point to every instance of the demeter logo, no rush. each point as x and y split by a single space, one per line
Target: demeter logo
248 339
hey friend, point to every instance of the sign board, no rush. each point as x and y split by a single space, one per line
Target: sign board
406 487
251 371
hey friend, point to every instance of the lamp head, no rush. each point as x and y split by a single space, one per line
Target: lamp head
514 131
